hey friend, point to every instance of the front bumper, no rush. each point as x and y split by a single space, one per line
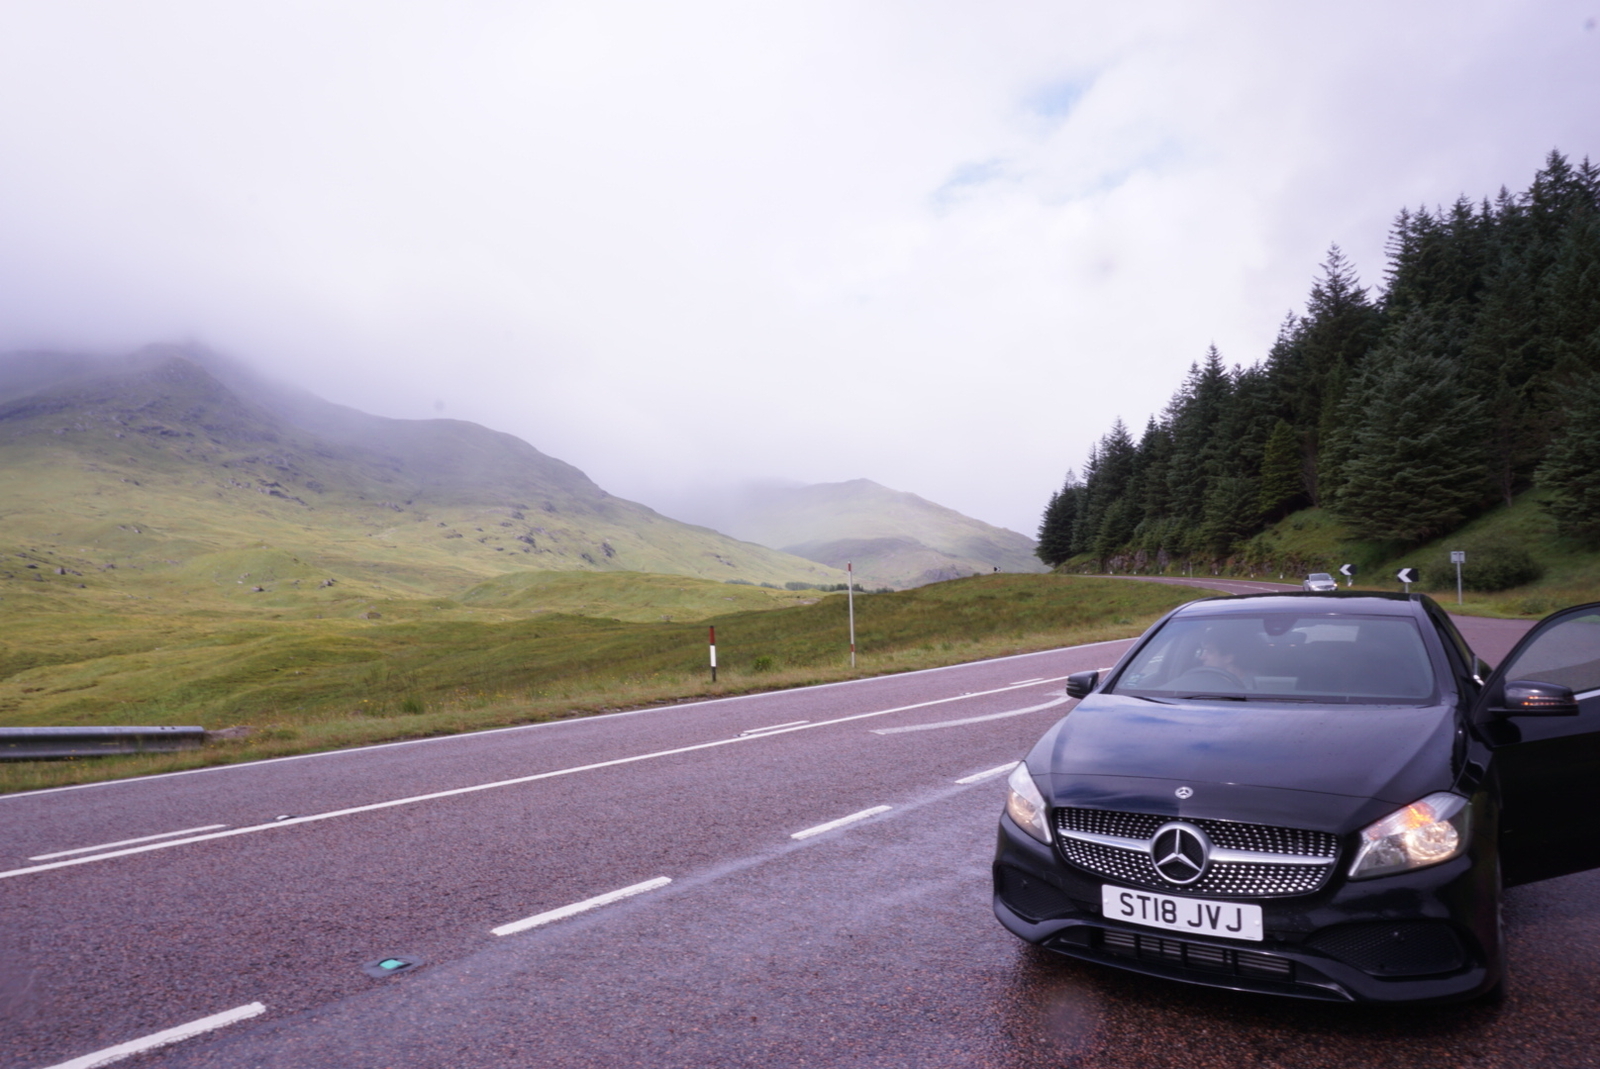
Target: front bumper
1425 936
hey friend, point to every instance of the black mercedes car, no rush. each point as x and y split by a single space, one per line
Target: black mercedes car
1318 795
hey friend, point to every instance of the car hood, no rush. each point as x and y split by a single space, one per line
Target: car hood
1327 767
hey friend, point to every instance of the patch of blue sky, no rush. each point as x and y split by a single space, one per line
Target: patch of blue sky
1162 157
969 177
1056 100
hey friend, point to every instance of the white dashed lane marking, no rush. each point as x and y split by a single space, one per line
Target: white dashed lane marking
579 907
841 822
991 773
161 1039
972 719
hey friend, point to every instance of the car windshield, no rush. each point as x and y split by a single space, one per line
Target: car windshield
1320 575
1367 660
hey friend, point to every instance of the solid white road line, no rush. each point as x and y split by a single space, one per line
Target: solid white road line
161 1039
841 822
771 727
1025 682
553 724
414 799
979 777
578 907
124 842
972 719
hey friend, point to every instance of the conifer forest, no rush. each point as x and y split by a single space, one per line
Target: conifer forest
1472 376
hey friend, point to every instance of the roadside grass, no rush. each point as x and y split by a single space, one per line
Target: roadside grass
1571 570
303 685
1316 542
631 596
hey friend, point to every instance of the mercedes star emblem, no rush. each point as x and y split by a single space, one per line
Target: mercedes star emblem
1180 852
1184 792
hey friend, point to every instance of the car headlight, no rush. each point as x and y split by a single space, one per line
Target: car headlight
1424 833
1025 804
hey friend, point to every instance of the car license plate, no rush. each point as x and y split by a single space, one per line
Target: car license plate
1230 920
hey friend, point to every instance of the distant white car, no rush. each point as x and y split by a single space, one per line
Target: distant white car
1320 581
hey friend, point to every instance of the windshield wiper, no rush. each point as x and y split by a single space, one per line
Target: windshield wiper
1272 698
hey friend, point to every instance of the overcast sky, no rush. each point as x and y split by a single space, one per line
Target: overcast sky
936 244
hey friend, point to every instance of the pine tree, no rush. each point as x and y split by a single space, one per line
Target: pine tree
1193 416
1149 488
1571 303
1572 467
1281 486
1417 465
1108 492
1506 361
1315 355
1055 530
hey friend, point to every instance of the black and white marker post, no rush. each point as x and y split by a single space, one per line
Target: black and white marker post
1458 557
1407 576
850 589
713 655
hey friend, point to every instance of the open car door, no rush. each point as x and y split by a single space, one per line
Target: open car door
1540 714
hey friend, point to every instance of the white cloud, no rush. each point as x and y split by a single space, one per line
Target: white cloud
939 245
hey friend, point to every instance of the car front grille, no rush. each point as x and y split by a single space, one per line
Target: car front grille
1257 878
1202 957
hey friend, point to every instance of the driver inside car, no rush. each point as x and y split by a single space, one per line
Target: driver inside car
1225 660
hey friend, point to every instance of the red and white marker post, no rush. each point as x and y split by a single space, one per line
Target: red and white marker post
713 655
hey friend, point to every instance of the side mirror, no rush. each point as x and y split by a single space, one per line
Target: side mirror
1081 683
1529 697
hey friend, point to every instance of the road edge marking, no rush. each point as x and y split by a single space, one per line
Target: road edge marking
162 1039
579 907
991 773
841 822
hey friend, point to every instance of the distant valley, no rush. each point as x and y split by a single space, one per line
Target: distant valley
175 473
893 538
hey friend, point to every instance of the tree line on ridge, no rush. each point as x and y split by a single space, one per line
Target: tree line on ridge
1472 376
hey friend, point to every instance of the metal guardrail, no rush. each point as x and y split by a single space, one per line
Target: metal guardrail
31 744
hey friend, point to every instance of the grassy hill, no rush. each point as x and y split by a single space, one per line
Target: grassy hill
151 477
894 538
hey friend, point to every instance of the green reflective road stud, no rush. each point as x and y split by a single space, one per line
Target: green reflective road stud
392 965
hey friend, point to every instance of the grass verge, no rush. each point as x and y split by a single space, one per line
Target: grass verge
307 685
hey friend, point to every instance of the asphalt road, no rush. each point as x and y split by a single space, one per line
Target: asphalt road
868 944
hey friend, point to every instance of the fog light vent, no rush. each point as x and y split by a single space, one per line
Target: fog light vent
1398 948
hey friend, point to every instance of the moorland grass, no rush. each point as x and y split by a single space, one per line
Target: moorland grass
301 685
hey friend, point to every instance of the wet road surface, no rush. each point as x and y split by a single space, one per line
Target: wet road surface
868 944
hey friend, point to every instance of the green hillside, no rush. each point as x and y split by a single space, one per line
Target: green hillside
893 538
149 477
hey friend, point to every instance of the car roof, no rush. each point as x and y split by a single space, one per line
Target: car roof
1336 603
